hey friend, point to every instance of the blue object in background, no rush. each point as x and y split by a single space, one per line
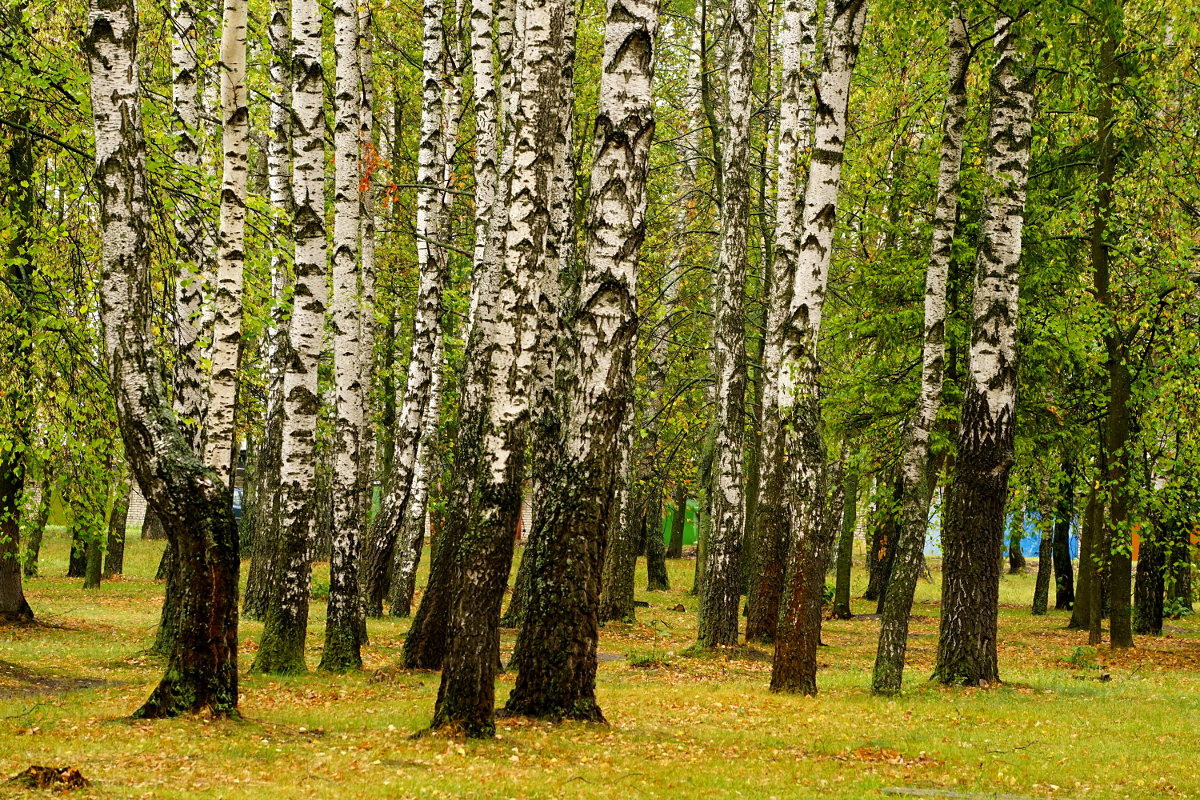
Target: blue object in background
1031 540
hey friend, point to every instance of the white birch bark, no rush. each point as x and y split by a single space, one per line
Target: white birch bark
220 432
486 107
342 627
798 41
718 618
191 399
798 632
282 646
369 160
556 649
975 509
915 463
427 318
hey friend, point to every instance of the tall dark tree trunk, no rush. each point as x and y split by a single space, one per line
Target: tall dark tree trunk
77 560
1041 586
402 584
152 526
1150 585
514 615
1179 557
114 550
678 521
657 579
16 347
94 566
1016 559
1081 613
891 535
425 645
845 548
196 509
1064 577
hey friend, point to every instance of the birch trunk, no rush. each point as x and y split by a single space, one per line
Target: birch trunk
281 650
916 462
718 619
191 400
431 268
194 505
279 163
367 329
798 34
798 633
974 524
342 628
220 432
503 347
556 647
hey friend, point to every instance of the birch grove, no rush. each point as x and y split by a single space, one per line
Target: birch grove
718 285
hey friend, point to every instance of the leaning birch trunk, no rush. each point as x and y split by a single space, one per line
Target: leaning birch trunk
916 464
556 647
191 400
974 524
279 162
412 542
799 630
220 433
191 500
798 34
505 338
718 618
342 628
389 523
281 650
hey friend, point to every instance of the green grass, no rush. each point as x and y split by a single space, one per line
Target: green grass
678 726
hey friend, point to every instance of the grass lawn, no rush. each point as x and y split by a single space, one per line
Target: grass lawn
678 727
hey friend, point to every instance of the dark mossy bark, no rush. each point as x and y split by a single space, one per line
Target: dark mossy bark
1150 585
878 557
425 644
285 626
678 521
1064 575
971 540
771 537
845 549
16 352
1041 586
1016 559
168 621
114 549
152 528
620 564
266 509
657 578
14 608
514 615
891 534
403 581
1081 613
94 564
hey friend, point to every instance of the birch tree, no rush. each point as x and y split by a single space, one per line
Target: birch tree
342 626
279 164
795 666
427 327
190 499
974 523
505 339
220 434
918 480
798 42
281 650
718 622
556 647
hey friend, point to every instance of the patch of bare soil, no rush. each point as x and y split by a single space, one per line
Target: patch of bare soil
19 681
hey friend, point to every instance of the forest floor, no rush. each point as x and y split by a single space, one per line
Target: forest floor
677 726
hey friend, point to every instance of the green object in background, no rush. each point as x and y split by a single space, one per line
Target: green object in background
689 524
